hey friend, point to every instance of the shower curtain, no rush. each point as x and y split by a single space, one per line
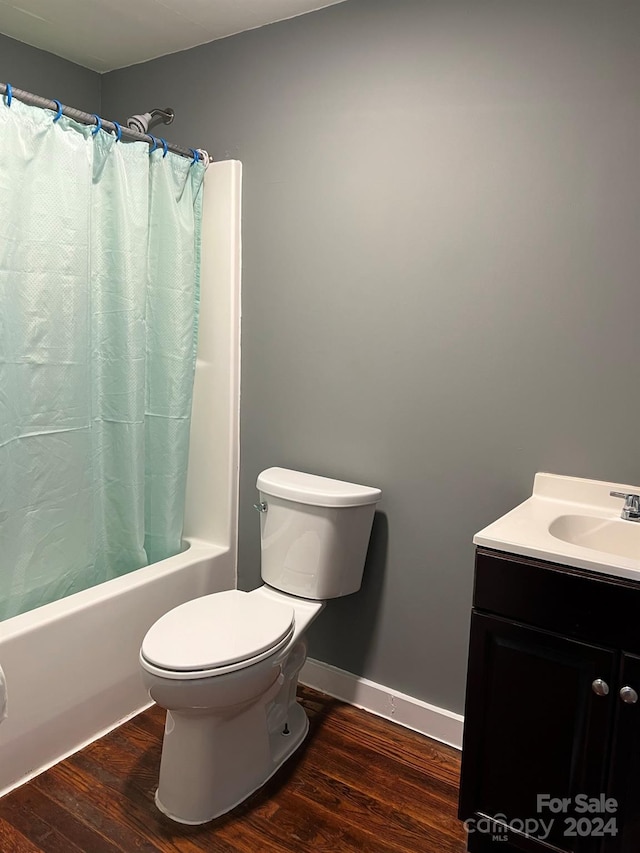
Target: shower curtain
99 283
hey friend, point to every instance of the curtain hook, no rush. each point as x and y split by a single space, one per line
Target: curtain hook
58 115
196 156
98 124
165 146
9 93
155 144
118 131
206 158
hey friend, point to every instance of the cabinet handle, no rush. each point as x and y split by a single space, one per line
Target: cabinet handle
628 695
601 688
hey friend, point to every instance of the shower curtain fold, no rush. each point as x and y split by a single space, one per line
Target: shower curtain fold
99 286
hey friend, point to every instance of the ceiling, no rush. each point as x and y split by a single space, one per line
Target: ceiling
107 34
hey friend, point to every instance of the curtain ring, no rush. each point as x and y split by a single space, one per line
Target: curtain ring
118 131
165 146
155 144
58 115
9 93
98 124
196 156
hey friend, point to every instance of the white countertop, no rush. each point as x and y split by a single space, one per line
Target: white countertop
525 530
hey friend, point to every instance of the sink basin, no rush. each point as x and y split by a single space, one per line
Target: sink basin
573 522
612 536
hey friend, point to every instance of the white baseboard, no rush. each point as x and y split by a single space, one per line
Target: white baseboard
436 723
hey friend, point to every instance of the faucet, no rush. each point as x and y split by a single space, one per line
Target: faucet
631 508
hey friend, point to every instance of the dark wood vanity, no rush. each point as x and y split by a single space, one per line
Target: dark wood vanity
551 751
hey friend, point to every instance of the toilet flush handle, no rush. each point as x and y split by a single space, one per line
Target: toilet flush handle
261 507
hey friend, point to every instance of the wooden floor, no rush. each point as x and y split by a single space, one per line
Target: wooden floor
358 783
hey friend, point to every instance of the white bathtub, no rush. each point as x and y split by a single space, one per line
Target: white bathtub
71 667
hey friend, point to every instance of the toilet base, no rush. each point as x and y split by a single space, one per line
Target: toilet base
195 787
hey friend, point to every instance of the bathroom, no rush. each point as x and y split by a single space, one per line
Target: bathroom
439 277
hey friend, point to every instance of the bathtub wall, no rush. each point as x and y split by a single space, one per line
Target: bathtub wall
211 511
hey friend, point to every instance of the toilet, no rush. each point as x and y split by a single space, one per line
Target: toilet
225 666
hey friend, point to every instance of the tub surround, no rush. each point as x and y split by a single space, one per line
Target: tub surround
72 665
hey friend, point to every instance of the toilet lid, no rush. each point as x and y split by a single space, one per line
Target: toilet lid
217 630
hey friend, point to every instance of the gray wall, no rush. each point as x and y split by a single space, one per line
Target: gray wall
440 285
42 73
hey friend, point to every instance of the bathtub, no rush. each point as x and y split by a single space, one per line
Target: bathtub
71 666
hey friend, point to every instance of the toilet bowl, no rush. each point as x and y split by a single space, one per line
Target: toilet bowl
225 666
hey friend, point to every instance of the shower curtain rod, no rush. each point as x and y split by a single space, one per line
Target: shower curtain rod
90 118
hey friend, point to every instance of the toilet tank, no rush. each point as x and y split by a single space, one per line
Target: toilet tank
314 532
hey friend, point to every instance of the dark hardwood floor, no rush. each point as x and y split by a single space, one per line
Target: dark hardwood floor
358 783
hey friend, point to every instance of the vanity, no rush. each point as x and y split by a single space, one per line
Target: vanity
551 749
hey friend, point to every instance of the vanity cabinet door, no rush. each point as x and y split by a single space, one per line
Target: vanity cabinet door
625 757
534 727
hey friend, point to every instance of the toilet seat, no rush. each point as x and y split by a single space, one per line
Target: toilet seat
216 634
